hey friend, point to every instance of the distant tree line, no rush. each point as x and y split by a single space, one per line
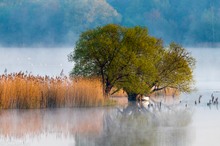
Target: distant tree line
187 22
51 22
59 22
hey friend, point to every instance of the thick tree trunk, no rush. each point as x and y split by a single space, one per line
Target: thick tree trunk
108 88
107 91
132 96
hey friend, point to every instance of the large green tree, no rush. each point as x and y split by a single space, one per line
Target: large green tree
131 59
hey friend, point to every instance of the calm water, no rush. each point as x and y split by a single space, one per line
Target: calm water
95 126
194 125
173 125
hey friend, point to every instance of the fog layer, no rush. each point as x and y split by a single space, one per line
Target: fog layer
44 61
37 61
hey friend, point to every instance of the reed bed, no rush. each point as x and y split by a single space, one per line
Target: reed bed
21 90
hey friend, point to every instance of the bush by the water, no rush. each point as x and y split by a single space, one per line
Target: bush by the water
20 90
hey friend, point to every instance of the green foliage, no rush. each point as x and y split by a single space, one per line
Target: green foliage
175 69
131 59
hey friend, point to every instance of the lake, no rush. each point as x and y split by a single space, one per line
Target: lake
182 123
129 125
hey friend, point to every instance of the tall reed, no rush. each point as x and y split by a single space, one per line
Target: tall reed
20 90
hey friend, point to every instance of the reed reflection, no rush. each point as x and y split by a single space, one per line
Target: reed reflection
22 123
134 124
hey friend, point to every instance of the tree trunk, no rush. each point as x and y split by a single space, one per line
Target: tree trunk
108 88
132 96
107 91
103 82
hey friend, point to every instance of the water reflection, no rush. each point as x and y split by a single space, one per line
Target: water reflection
131 125
136 125
40 127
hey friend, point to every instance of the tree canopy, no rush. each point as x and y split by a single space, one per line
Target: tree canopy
132 60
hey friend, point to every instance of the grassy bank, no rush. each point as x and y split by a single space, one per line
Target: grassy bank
20 90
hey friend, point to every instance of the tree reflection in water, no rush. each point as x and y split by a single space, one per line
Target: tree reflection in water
134 124
140 125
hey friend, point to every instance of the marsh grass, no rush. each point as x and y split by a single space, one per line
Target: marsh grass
20 90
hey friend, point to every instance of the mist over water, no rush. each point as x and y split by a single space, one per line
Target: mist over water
207 71
50 61
94 127
37 61
177 124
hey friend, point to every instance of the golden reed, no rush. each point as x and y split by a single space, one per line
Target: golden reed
20 90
